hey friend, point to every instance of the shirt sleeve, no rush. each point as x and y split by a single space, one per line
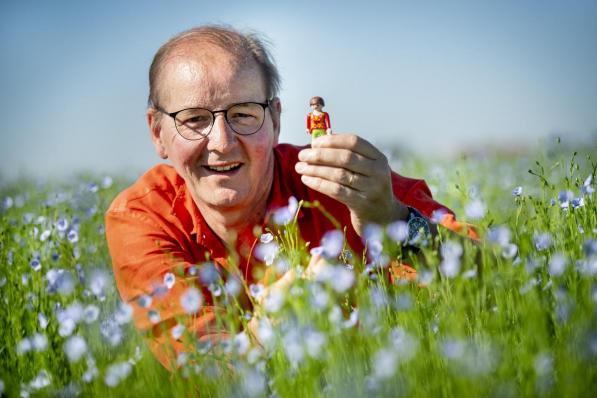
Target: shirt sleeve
142 254
309 121
327 121
418 195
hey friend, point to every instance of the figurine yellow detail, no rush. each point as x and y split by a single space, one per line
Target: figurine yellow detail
318 121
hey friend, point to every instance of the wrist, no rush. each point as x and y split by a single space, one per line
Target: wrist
419 228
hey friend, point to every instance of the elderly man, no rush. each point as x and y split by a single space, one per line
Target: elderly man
214 112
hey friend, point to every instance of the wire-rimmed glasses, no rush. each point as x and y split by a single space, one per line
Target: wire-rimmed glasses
196 123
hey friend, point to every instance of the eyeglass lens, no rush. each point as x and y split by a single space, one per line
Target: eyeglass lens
244 119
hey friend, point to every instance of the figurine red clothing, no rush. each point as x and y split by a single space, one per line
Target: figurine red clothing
320 122
154 227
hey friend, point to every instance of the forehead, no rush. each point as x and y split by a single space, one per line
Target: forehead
209 76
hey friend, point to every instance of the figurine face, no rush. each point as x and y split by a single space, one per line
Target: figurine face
316 107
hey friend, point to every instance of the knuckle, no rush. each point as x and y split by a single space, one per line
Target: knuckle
336 189
347 157
353 140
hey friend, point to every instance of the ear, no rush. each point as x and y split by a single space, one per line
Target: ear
275 109
155 130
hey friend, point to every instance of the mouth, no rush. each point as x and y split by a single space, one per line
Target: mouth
228 168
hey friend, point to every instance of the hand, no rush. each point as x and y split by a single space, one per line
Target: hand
354 172
328 131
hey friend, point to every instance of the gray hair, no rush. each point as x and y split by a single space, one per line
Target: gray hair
242 46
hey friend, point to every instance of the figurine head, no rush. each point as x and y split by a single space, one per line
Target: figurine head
317 103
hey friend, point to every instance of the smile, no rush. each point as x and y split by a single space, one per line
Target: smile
228 167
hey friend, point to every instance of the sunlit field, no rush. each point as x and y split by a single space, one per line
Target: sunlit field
512 315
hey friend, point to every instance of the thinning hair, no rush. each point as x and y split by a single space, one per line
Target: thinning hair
242 46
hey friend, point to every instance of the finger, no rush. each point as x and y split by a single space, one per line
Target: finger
343 158
348 141
339 175
341 193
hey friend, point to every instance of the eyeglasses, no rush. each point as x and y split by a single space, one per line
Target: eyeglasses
196 123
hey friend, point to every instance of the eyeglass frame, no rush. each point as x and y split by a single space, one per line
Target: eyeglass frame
263 105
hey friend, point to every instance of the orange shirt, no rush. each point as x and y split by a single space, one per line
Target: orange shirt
154 227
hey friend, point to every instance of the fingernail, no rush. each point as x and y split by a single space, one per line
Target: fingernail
300 167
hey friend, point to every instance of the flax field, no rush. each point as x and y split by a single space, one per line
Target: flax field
512 315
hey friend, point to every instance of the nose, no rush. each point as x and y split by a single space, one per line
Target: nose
221 138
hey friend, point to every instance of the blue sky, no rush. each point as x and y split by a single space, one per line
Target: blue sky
434 77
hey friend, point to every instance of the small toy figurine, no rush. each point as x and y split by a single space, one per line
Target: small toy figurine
318 121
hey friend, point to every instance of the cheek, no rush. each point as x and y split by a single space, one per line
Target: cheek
262 156
184 155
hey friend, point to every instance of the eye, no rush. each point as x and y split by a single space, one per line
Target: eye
241 115
194 118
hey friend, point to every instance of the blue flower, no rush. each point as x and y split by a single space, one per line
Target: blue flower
74 348
144 301
43 320
191 300
62 224
285 215
116 373
590 247
517 191
578 202
193 270
332 243
266 238
72 236
107 182
398 231
91 313
154 316
438 215
587 188
35 264
208 274
169 280
232 287
256 290
45 235
7 203
267 252
565 196
499 235
542 241
475 209
112 332
557 264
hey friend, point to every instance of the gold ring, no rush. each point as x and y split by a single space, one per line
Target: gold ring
350 179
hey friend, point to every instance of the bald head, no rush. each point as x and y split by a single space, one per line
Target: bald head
212 45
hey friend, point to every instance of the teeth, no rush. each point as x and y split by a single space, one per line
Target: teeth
224 168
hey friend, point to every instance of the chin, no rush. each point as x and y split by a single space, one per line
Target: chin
224 197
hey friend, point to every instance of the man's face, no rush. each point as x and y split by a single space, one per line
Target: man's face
208 78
